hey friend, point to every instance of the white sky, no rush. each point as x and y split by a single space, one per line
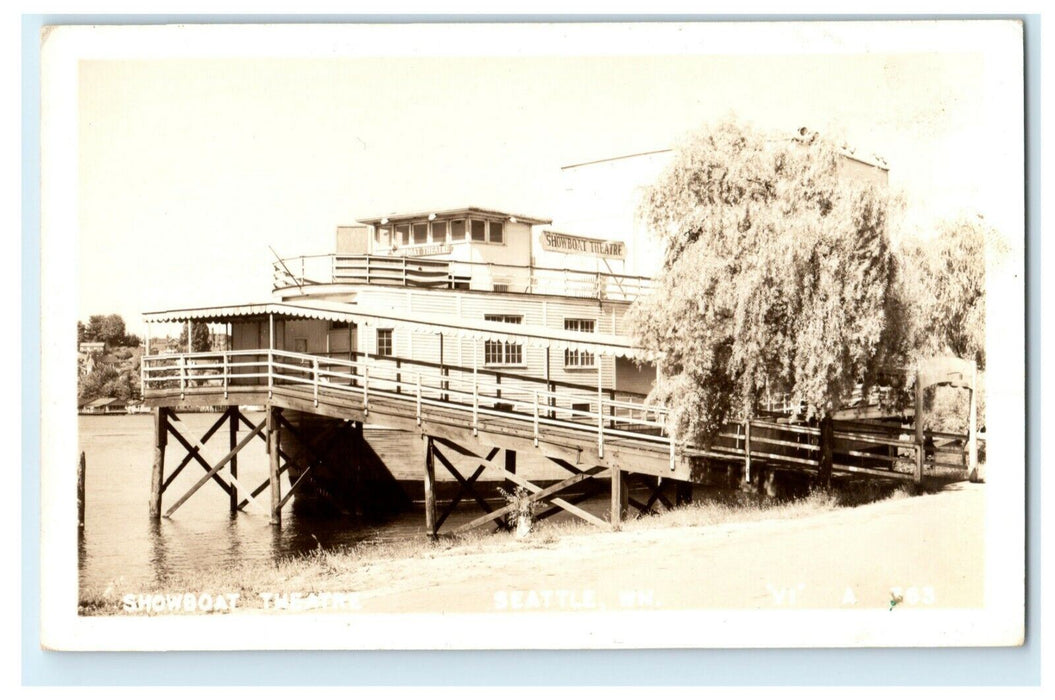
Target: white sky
189 168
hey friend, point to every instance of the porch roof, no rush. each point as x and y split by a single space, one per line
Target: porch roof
535 336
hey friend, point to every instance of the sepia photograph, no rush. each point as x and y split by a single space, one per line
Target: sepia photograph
533 335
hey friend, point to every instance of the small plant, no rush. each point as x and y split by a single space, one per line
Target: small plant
523 510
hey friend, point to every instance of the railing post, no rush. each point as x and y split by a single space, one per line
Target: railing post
536 418
418 381
476 406
182 376
315 378
399 377
270 373
673 444
600 414
747 451
366 385
225 378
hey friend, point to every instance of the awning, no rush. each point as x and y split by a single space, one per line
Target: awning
535 336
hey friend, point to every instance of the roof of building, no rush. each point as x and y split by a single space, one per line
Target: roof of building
599 343
399 217
104 402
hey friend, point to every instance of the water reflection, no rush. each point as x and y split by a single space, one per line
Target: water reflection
159 552
120 546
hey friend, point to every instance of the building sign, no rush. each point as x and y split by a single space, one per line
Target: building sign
411 251
578 245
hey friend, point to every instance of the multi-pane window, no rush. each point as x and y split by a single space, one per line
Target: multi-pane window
384 342
420 234
458 230
496 232
497 352
439 231
478 230
402 235
579 358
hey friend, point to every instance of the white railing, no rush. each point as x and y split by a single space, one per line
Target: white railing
421 385
538 404
451 274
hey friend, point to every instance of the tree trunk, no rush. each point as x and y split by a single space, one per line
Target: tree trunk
824 475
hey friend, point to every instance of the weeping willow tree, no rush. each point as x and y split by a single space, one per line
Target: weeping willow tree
779 276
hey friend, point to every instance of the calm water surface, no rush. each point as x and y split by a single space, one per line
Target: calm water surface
123 547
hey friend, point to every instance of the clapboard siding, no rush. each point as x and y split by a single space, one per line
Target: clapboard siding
540 312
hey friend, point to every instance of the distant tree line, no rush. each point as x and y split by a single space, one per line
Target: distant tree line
109 329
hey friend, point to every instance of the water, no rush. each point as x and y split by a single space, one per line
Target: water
123 547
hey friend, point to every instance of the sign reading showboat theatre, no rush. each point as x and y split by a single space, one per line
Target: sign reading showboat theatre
578 245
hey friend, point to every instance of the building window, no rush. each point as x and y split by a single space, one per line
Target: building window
458 230
498 352
402 235
478 230
496 232
439 231
579 358
420 234
384 342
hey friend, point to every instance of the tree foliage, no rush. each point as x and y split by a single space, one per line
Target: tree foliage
945 277
109 329
200 342
111 380
779 277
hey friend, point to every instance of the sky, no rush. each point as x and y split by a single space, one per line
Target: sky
189 168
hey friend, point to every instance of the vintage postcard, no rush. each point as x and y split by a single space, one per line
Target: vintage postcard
570 335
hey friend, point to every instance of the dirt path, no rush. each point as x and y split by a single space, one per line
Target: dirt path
930 547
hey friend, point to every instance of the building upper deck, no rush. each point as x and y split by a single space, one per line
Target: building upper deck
308 274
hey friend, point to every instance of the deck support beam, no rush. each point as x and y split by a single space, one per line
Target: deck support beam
619 499
430 489
212 471
274 437
921 453
157 474
466 486
232 441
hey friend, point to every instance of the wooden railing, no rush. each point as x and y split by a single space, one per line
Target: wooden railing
600 414
450 274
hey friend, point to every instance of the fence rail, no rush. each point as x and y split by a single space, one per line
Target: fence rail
604 415
452 274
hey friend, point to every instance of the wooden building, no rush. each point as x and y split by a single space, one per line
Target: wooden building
478 338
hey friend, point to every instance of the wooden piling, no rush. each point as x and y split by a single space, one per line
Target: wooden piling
975 472
233 464
275 478
918 419
620 498
80 491
747 451
157 476
430 488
